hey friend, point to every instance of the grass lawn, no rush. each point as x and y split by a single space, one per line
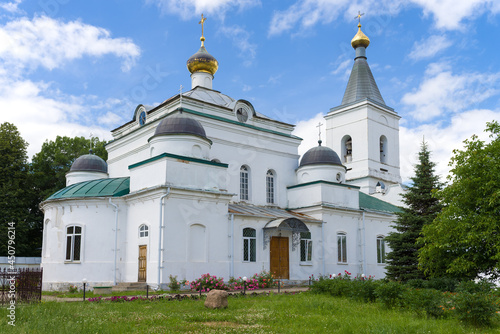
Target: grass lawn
299 313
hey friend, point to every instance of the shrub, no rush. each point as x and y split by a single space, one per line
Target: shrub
477 309
442 284
73 289
390 294
206 283
258 281
416 283
174 284
364 289
338 286
439 283
319 285
428 302
475 287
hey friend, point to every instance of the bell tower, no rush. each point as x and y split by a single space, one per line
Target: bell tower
363 129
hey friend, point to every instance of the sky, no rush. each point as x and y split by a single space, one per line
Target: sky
79 68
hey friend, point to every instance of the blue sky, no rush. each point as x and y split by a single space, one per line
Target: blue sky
74 68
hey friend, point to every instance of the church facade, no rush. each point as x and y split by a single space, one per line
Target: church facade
203 183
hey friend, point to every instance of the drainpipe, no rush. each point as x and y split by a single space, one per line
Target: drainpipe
364 245
160 234
231 264
323 246
116 239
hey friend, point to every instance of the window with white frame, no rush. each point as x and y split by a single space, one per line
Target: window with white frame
73 243
143 231
342 247
270 180
244 183
380 249
305 247
249 245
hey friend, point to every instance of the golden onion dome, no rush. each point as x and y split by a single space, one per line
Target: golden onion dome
202 61
360 39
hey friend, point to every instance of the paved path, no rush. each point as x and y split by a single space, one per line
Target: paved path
288 289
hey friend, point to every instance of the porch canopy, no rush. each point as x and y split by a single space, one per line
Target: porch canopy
287 224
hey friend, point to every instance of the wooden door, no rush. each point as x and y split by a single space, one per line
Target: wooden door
143 251
279 257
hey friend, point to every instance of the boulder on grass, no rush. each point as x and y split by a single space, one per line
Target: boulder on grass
216 299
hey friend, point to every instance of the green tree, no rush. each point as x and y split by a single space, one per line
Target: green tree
464 239
16 195
421 209
50 165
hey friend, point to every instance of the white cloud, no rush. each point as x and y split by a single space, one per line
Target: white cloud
187 9
442 139
42 113
110 118
343 67
450 14
307 13
308 131
443 92
11 7
447 14
240 38
429 47
50 43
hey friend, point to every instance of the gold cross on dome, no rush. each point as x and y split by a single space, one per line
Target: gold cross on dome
319 129
180 96
359 16
202 22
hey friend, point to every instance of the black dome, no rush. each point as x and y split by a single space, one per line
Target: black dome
320 155
180 125
89 163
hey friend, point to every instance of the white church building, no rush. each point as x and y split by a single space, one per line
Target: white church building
203 183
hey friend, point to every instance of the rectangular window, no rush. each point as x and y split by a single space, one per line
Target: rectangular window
342 248
380 250
73 243
305 247
249 245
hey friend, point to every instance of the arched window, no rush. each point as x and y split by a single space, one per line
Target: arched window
249 245
380 249
305 247
341 247
244 183
346 147
383 149
143 231
73 243
270 183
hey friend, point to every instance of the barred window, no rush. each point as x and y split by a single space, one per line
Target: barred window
73 243
342 247
249 245
244 181
143 231
305 247
380 249
270 187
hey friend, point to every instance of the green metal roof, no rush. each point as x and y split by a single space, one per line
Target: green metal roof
95 188
368 202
